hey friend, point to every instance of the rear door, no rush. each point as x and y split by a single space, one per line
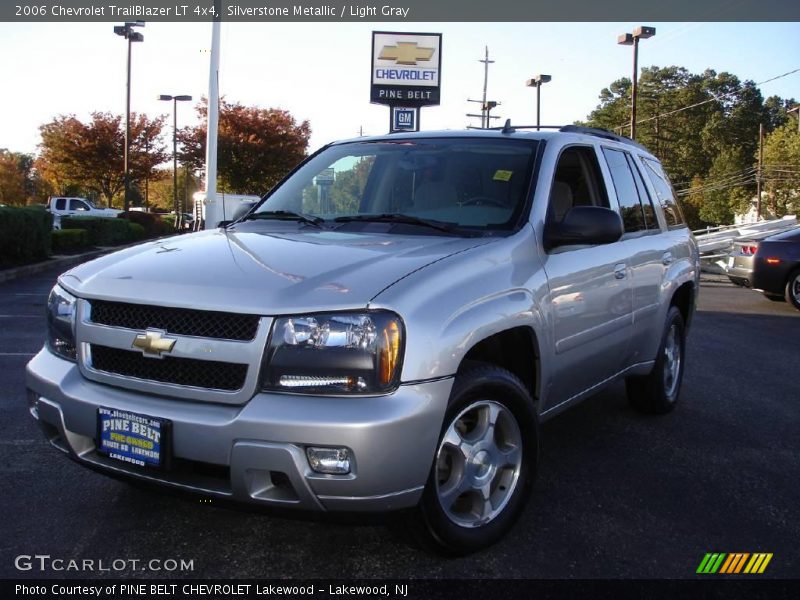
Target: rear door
647 250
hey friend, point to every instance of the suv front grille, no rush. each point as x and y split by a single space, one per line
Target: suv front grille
209 374
180 321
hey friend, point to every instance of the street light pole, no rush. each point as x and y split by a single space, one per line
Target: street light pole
129 34
632 39
537 83
175 100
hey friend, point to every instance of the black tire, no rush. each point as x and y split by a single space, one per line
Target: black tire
477 488
793 289
774 298
658 392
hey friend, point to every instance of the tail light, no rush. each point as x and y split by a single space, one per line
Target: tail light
749 249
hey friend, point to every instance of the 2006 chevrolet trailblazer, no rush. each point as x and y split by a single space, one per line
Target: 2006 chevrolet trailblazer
385 330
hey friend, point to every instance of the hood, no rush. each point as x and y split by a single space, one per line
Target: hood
261 273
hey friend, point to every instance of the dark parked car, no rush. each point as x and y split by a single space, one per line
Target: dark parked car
771 266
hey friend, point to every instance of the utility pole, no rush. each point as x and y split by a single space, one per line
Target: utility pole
486 62
484 105
758 171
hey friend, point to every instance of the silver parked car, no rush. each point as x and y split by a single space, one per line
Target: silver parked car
386 330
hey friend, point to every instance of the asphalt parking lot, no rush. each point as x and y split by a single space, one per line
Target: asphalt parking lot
618 495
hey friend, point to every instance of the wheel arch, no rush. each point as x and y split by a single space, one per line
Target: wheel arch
684 299
516 350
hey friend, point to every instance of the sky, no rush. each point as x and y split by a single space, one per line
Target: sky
320 71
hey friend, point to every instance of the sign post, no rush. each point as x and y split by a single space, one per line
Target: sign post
406 75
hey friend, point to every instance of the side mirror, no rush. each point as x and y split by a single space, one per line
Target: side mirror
586 225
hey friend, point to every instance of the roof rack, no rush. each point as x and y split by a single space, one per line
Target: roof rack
595 131
603 133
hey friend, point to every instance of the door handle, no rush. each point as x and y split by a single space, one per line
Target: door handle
620 271
666 258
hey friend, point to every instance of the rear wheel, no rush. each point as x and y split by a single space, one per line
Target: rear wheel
793 289
484 465
657 393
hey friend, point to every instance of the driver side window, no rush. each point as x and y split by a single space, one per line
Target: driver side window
577 182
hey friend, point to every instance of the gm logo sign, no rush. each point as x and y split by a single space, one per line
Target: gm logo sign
404 119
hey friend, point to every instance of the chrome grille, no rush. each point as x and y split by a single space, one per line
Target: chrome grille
180 321
208 374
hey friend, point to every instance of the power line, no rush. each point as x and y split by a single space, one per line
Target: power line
712 99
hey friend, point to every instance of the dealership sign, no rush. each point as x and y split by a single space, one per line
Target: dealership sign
406 68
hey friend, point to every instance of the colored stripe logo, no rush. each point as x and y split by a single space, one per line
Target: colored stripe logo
734 563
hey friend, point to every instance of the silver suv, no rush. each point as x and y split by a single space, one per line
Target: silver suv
385 330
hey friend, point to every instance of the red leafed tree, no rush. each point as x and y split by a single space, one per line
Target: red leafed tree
90 156
256 146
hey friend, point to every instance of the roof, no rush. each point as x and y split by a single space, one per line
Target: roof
506 132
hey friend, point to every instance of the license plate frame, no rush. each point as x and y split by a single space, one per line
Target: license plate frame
138 439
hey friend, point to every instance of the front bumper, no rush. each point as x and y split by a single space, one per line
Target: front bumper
256 452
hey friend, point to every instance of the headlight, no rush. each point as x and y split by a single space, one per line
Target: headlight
336 353
61 323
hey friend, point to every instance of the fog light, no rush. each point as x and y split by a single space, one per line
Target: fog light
331 461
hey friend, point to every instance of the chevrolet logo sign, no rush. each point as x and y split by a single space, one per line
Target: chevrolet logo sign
406 53
152 343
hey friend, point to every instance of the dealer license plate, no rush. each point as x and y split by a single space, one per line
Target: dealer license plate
131 437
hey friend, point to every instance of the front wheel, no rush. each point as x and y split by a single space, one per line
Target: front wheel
793 289
657 393
484 465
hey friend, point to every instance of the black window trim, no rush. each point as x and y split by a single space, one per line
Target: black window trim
627 235
683 224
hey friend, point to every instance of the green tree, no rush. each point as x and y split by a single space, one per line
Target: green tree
782 170
161 187
256 146
704 128
89 156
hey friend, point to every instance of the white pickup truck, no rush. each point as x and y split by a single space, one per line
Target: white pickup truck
72 207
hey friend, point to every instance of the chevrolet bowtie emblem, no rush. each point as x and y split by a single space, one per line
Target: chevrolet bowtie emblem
406 53
152 343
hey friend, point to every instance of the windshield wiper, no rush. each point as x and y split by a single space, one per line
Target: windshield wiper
399 218
286 215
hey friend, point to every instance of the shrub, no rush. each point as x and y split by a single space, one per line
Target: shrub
24 235
136 232
69 240
102 231
169 222
150 222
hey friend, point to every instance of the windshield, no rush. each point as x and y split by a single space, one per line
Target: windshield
478 184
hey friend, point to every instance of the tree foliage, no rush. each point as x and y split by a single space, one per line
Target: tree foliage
704 128
90 156
12 179
781 171
256 147
161 187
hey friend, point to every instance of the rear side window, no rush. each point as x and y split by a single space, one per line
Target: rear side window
666 196
630 204
61 203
